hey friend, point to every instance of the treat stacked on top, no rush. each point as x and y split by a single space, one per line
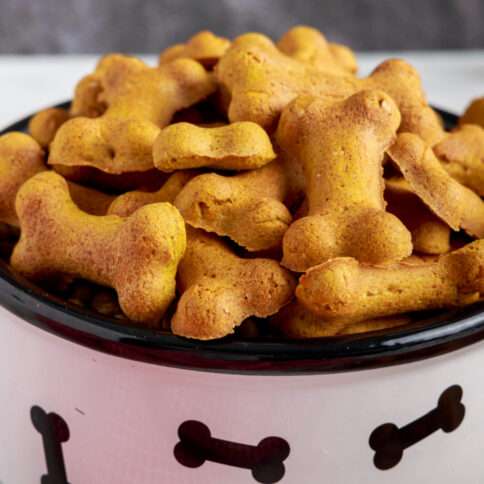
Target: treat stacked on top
248 179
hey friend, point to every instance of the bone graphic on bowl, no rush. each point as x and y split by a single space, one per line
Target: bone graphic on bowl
54 432
265 459
389 442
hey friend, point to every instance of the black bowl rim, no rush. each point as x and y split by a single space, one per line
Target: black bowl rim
429 337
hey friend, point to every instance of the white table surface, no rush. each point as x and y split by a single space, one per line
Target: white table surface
28 83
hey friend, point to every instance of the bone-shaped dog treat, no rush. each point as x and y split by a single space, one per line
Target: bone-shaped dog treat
341 147
474 113
219 290
248 207
54 432
128 203
344 56
345 288
455 204
204 47
265 460
462 155
237 146
261 81
389 442
44 125
402 83
137 256
429 234
295 321
140 101
307 44
21 157
87 100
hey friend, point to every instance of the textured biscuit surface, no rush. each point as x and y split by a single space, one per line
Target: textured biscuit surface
44 125
457 205
430 235
237 146
21 157
87 100
295 321
193 195
341 148
462 155
204 47
262 80
137 256
346 288
248 207
309 45
140 100
219 290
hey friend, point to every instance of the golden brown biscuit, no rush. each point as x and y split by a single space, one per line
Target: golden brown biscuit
344 56
88 97
346 288
248 207
44 125
341 147
137 256
402 83
260 81
140 101
474 113
309 45
204 47
21 157
455 204
220 290
273 130
430 235
462 155
237 146
295 321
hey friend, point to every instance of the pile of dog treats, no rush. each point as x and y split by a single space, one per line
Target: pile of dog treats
250 182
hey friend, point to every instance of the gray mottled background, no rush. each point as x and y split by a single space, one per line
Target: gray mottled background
91 26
